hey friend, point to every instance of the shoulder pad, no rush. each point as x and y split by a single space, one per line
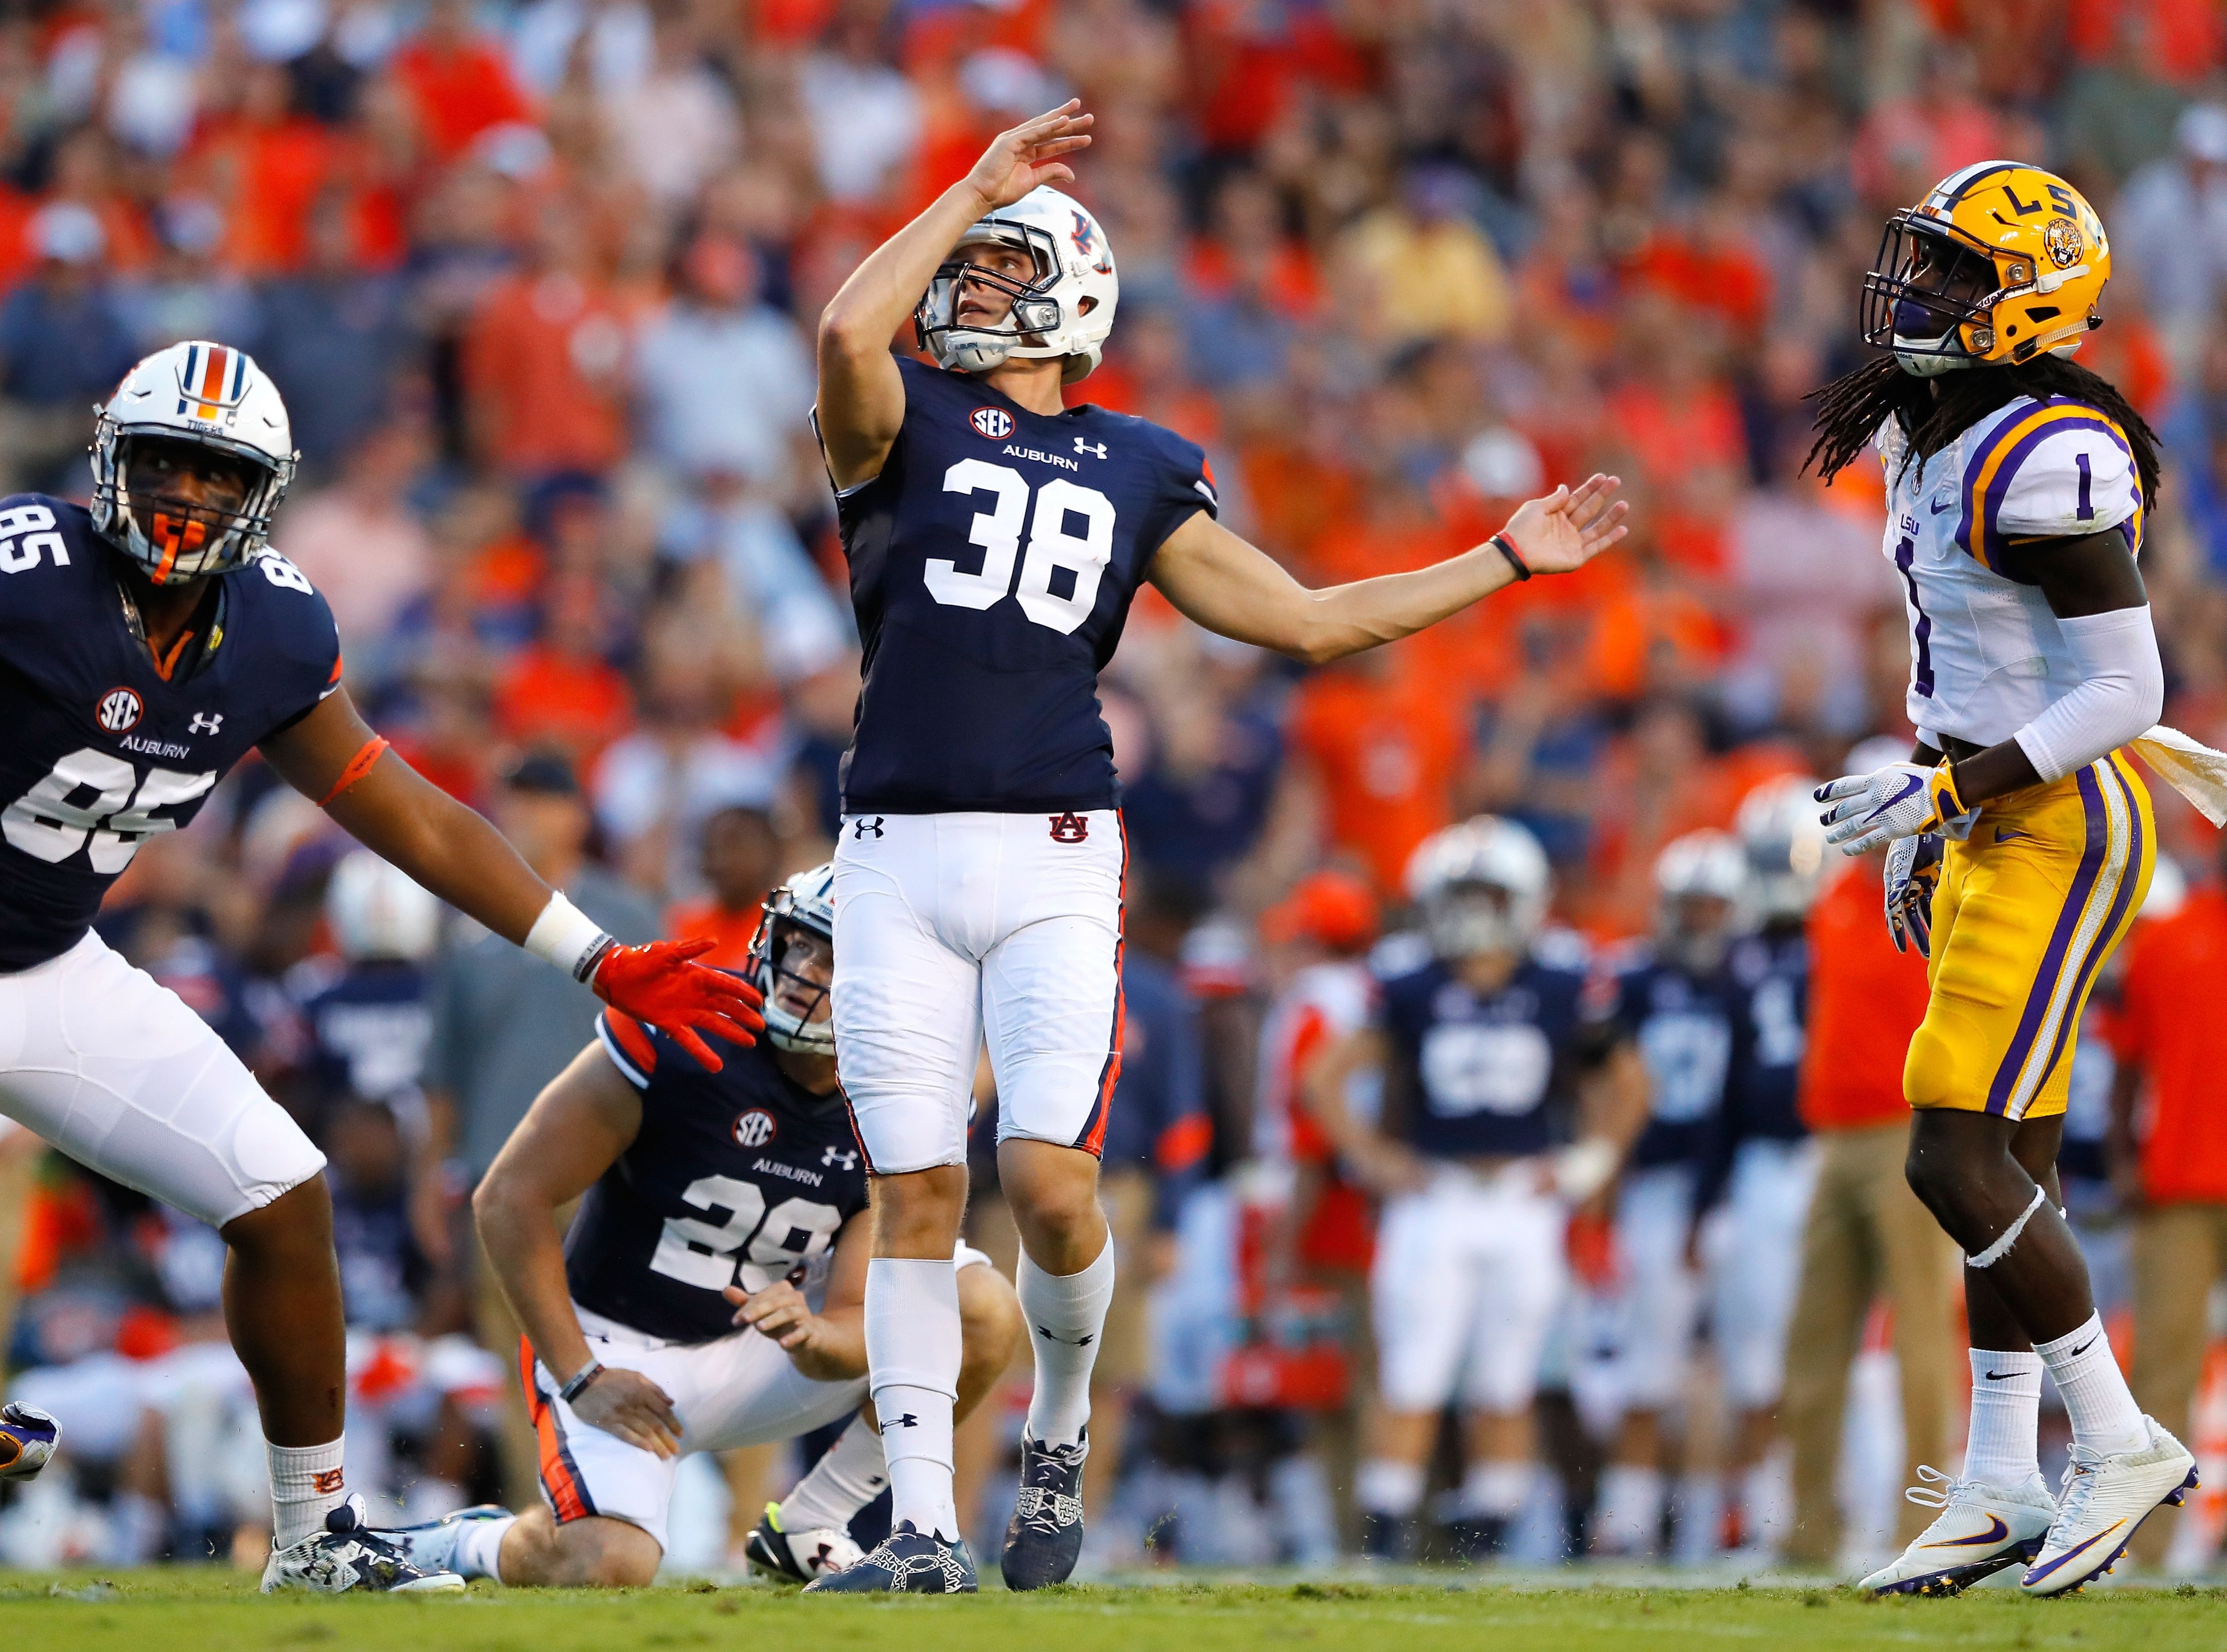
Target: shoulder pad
1398 954
2052 469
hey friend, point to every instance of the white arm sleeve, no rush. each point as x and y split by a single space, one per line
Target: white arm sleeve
2119 694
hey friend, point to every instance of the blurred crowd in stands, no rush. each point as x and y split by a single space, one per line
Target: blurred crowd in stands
538 282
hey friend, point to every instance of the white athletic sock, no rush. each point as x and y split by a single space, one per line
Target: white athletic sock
479 1550
2104 1415
913 1350
307 1482
849 1475
1629 1517
1393 1489
1067 1322
2000 1449
1495 1490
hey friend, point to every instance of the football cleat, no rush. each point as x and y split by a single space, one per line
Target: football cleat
1043 1539
1476 1539
348 1554
798 1557
29 1439
911 1562
2105 1499
1387 1538
432 1546
1981 1530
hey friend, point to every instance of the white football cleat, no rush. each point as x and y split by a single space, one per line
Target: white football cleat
348 1554
2105 1499
799 1557
1981 1530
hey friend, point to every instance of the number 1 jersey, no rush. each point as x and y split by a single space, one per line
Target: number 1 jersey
104 749
992 562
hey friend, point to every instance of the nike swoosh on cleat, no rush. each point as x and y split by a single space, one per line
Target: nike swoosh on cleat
1996 1532
2041 1571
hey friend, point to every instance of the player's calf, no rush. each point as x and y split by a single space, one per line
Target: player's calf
533 1550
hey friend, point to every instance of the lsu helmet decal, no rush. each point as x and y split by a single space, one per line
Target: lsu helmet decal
1998 263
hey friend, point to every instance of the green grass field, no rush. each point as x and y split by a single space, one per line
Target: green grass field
207 1611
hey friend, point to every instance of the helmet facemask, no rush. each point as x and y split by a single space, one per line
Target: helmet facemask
1470 917
1032 314
141 501
1694 929
1925 289
795 967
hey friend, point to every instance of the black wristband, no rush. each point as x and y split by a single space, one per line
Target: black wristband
580 1378
1501 543
591 961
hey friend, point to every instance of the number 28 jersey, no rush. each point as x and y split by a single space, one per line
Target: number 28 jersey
992 562
102 750
1987 656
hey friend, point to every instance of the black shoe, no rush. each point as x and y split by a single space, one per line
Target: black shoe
1478 1538
1384 1537
798 1557
1044 1536
912 1562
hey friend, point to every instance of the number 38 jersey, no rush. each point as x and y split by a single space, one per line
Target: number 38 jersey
103 748
741 1177
992 562
1987 656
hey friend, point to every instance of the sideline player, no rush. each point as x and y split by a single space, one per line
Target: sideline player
710 1293
150 644
2022 837
995 538
1488 1063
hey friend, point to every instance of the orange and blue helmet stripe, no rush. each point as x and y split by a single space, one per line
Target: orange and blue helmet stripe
211 382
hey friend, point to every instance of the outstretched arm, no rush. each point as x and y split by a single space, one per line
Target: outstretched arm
332 756
861 396
1238 591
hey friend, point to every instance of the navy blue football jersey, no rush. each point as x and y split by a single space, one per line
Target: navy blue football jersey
102 750
1683 1023
370 1029
1481 1077
992 562
1771 983
741 1177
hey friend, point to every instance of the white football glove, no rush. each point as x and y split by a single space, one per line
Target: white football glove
1899 800
1913 872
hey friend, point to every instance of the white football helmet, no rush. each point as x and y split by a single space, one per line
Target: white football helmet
1777 826
807 902
1710 864
377 910
1481 886
214 396
1065 310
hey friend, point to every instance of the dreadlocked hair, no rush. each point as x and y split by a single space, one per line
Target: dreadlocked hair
1933 413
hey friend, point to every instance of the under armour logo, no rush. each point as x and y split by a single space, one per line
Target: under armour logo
861 826
841 1156
1069 828
1081 446
1049 1334
206 722
908 1420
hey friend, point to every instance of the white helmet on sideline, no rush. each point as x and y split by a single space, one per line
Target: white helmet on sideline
377 910
1707 865
1778 827
806 902
1065 310
211 396
1481 886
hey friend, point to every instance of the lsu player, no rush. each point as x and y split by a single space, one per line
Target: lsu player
996 537
709 1293
2020 834
1762 1164
146 646
1488 1060
1675 999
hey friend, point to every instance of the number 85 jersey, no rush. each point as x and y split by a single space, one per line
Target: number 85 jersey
105 747
1987 656
992 562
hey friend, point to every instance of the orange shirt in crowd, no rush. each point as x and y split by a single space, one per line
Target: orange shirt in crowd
728 928
1386 742
2167 1024
458 94
544 364
1865 999
580 703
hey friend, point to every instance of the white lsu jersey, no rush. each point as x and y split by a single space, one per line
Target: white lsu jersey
1987 656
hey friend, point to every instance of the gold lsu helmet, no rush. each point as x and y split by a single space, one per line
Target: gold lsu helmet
2000 262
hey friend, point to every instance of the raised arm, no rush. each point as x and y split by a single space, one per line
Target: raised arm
574 1131
1238 591
861 396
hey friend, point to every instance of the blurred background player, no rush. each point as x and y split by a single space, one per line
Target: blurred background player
709 1293
1501 1108
1678 1004
979 870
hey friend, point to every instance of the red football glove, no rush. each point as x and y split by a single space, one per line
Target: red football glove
657 983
